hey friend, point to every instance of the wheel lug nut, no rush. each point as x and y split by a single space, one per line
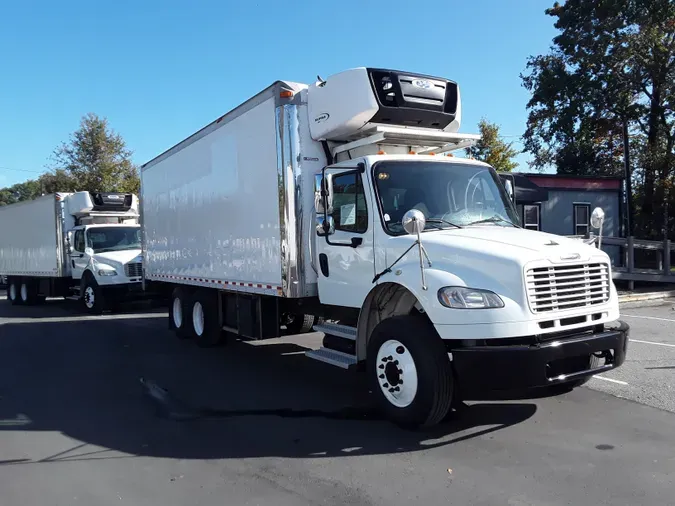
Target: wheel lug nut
381 376
386 385
380 366
390 357
395 362
400 371
392 390
397 389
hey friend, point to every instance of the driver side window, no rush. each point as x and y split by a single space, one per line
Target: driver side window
350 213
78 242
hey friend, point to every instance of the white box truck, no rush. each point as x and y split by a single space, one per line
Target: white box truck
341 200
84 245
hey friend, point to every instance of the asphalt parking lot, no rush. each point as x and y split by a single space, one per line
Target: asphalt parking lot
76 427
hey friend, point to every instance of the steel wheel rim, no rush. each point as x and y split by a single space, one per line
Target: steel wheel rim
12 292
396 373
89 297
177 313
198 318
24 292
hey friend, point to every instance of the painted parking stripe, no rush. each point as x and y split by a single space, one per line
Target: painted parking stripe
609 379
648 317
652 342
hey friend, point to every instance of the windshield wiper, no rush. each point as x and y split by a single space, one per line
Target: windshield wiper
494 219
439 221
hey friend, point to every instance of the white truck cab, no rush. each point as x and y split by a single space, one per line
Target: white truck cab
414 258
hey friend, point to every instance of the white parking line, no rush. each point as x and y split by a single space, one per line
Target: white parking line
609 379
648 317
652 342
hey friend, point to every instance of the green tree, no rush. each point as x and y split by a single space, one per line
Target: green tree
492 149
95 159
612 62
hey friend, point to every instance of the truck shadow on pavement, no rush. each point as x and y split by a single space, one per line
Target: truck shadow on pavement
83 379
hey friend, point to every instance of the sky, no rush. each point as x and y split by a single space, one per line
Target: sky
159 71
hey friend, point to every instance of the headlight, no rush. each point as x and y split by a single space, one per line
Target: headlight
460 297
107 272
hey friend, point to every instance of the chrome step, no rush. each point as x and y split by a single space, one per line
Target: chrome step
73 297
332 357
335 329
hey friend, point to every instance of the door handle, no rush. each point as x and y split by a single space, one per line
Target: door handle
72 262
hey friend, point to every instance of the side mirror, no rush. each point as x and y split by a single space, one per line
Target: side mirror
89 252
413 222
509 189
597 217
325 226
597 220
323 194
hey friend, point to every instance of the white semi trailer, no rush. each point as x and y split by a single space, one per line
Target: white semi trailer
341 200
78 245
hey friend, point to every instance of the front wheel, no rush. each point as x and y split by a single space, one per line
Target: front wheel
92 296
409 372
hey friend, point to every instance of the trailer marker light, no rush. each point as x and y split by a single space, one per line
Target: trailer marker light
411 153
286 94
380 152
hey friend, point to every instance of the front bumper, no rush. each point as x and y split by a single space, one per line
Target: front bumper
539 364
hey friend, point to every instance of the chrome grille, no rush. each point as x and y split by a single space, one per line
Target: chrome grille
133 270
567 286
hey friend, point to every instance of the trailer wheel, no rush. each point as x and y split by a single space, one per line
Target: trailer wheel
92 295
299 323
205 327
178 309
13 292
28 292
409 372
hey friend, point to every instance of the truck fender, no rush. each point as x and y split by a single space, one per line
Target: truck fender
399 294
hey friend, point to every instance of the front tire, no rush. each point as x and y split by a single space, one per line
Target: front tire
92 296
409 372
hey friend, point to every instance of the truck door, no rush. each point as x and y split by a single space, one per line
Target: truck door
78 260
345 238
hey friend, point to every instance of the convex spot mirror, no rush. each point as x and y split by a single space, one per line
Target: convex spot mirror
597 217
413 222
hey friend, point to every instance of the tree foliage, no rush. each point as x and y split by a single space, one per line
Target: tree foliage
492 149
95 159
613 61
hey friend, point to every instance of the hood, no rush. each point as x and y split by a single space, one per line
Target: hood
512 243
121 257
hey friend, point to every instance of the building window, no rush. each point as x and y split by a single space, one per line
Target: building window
350 213
582 216
531 216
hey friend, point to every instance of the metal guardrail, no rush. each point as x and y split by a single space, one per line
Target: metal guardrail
661 272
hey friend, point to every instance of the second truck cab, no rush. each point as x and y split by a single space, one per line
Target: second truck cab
104 246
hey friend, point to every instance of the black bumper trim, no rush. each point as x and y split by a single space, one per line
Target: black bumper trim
512 367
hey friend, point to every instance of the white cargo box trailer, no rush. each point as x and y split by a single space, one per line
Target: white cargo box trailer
342 201
81 244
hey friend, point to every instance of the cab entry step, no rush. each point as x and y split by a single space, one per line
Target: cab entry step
337 330
333 357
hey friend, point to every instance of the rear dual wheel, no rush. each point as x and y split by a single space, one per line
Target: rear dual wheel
24 292
195 316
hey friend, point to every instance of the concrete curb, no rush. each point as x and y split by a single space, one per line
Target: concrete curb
646 296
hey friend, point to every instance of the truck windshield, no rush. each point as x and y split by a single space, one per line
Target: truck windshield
448 194
102 239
